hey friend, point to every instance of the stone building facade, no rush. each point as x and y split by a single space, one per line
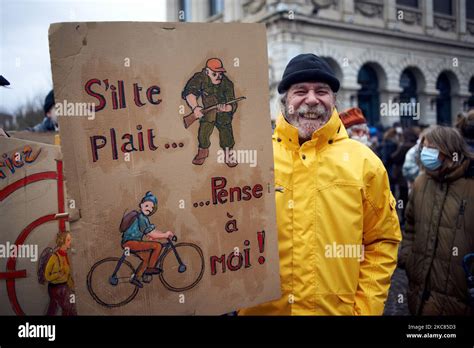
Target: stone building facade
386 53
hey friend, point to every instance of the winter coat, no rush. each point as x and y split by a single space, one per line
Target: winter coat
333 200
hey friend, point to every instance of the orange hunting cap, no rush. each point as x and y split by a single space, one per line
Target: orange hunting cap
352 116
215 64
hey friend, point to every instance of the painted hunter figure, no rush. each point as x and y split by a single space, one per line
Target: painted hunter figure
219 104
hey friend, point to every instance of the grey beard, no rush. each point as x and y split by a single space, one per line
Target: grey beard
319 111
305 126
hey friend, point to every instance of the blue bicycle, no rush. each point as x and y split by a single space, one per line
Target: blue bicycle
108 281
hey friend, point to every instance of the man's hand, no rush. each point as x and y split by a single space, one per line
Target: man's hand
197 111
224 107
169 234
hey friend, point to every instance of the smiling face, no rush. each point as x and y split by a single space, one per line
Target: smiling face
216 77
147 207
308 107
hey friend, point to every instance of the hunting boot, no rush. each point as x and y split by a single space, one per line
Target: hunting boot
201 156
231 162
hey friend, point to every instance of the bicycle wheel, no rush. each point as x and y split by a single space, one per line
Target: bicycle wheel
176 277
111 291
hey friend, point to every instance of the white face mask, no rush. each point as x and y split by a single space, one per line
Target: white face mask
364 139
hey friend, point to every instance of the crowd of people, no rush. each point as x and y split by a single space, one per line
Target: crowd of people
431 173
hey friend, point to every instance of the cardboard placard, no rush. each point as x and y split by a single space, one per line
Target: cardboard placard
39 137
142 149
31 194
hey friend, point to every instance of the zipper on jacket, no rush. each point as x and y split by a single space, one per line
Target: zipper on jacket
426 286
462 209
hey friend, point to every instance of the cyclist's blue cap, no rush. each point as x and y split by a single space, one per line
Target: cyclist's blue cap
150 197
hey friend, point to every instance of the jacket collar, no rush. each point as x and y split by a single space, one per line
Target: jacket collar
450 175
331 132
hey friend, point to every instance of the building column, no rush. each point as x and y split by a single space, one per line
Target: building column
457 102
199 10
346 98
390 14
348 11
232 10
388 97
347 95
172 10
428 16
461 18
427 99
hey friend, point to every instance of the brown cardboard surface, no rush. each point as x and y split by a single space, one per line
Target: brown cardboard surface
154 152
40 137
28 193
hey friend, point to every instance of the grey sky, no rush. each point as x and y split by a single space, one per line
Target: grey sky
24 49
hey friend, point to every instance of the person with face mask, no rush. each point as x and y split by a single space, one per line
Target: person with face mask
439 226
356 125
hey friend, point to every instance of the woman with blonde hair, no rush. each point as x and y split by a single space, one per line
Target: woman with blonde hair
439 229
59 276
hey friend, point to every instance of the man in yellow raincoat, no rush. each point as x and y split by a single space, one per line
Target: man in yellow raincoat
337 223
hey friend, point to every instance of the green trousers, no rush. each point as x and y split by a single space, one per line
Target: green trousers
223 123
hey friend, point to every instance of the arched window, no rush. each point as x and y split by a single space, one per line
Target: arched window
443 7
408 95
470 102
184 11
409 3
368 96
470 9
215 7
443 102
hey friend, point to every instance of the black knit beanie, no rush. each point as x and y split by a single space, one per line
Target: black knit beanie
308 68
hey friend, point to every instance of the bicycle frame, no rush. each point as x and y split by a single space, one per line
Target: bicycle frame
119 263
166 246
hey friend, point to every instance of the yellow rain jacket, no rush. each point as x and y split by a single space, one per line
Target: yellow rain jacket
337 225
